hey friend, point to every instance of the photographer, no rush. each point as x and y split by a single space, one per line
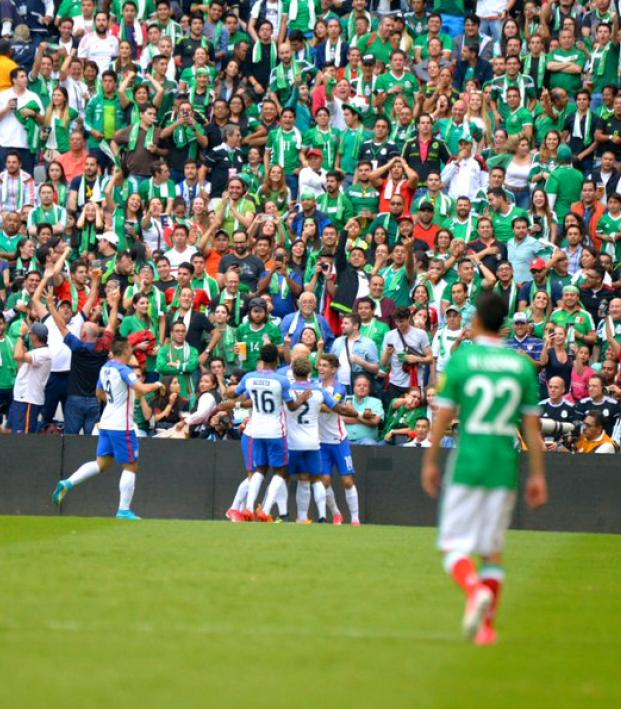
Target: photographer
594 439
282 283
556 408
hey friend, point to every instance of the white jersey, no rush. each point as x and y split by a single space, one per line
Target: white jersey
117 380
303 424
331 426
268 392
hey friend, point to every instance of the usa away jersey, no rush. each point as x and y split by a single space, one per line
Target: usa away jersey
331 426
116 379
303 424
268 392
492 386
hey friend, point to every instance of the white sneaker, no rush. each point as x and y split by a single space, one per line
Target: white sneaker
477 605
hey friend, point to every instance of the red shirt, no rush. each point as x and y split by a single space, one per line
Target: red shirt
65 292
427 235
201 299
389 188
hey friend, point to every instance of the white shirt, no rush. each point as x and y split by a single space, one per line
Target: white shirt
13 133
331 427
415 338
29 387
491 8
117 380
312 181
464 177
76 90
418 444
101 50
81 23
61 354
268 392
303 424
176 258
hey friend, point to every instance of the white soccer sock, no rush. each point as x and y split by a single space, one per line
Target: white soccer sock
84 472
282 500
127 483
302 499
253 490
319 493
351 495
276 483
240 495
331 502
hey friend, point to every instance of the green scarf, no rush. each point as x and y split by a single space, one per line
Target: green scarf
32 127
257 54
282 79
75 297
135 133
279 288
185 136
88 238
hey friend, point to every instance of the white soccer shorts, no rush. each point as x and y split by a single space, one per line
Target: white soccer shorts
474 520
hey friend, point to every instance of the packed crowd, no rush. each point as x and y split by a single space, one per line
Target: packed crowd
339 177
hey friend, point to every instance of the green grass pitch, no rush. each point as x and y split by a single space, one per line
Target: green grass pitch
100 613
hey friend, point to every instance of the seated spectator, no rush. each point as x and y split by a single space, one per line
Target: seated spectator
364 431
167 407
420 434
597 401
594 438
403 413
557 408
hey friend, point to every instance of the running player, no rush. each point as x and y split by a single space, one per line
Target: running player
116 386
303 440
494 388
268 391
334 444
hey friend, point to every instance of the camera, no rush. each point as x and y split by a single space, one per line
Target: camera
325 267
538 219
549 427
225 420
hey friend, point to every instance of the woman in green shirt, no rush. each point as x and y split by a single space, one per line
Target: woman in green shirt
57 120
141 320
538 313
90 223
224 348
275 189
545 160
56 178
542 220
403 414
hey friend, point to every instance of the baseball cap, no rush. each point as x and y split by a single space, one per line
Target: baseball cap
353 107
425 207
308 194
538 264
257 303
314 152
368 59
466 139
571 289
406 218
40 330
454 308
110 237
520 317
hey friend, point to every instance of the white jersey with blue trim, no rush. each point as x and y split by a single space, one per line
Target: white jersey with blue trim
331 427
268 392
116 380
303 424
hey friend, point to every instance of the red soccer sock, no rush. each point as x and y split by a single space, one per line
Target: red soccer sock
493 577
465 573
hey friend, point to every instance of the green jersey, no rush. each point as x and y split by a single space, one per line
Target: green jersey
255 339
8 367
8 244
149 189
363 198
464 230
422 42
451 133
450 7
580 320
304 19
523 82
503 223
349 147
559 79
285 146
407 83
603 65
514 121
339 208
397 285
566 183
373 44
325 140
492 386
375 329
609 225
132 324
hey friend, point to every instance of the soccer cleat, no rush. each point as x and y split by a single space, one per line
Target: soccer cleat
234 515
486 635
262 516
477 606
357 523
61 490
127 514
337 519
248 515
321 520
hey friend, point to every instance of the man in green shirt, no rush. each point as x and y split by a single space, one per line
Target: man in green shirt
351 140
255 332
564 186
378 43
178 359
517 119
502 214
493 390
434 27
398 275
566 64
8 368
603 64
453 129
370 326
395 81
334 203
298 15
577 321
512 78
363 195
10 236
287 75
284 148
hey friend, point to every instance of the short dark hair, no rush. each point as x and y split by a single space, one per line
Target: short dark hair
401 313
354 318
119 345
597 417
491 311
269 354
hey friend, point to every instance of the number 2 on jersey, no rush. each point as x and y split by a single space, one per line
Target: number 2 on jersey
490 392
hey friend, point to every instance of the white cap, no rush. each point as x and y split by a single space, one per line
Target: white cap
109 236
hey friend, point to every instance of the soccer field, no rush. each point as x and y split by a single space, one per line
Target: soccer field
100 613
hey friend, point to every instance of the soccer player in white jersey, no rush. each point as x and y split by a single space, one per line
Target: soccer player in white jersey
117 385
303 440
270 393
334 444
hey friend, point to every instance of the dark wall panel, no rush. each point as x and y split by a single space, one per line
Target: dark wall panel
29 470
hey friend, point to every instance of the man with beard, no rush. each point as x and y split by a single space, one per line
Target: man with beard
246 264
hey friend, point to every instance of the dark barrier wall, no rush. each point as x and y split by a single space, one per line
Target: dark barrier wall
197 480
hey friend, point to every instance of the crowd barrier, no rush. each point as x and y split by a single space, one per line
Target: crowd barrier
197 480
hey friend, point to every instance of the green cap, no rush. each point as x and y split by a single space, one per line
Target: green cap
203 71
571 289
353 107
564 153
308 194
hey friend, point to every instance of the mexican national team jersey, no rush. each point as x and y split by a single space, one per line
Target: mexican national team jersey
303 423
408 84
116 380
331 427
492 386
255 339
268 392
